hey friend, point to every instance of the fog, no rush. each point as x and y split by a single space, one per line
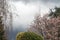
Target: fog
25 10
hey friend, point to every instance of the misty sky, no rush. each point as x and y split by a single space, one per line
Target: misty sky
26 9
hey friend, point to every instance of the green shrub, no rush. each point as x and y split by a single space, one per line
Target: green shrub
28 36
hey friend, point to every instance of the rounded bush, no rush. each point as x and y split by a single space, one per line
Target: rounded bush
28 36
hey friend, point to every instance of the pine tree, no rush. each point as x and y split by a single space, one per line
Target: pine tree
2 31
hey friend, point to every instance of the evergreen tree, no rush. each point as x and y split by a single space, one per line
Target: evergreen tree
55 13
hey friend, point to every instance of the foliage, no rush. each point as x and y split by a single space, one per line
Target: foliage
48 28
2 31
56 13
38 25
28 36
53 29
